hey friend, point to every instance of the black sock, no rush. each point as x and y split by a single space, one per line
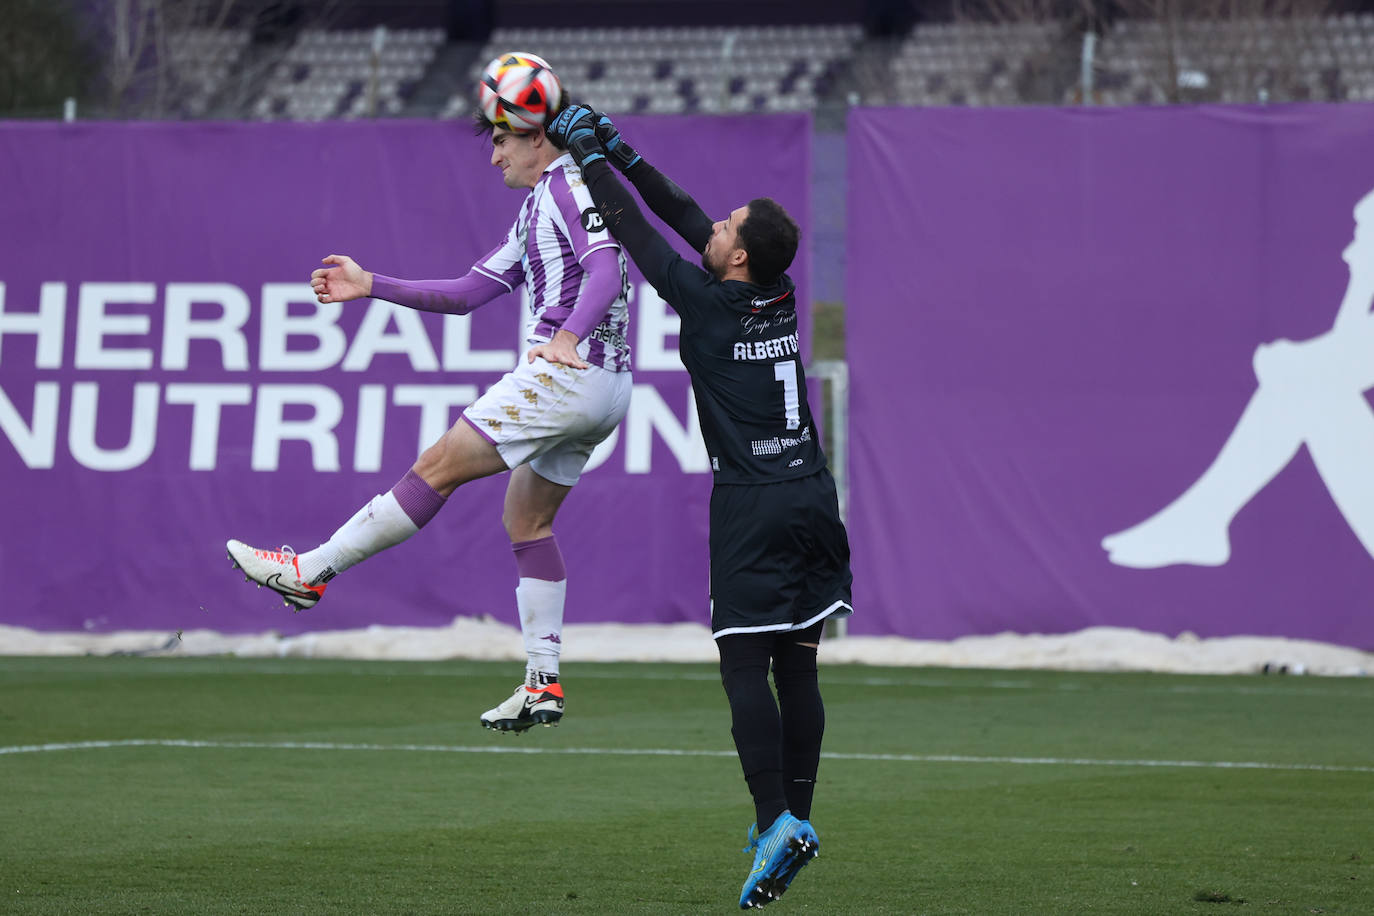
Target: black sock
803 720
755 724
799 792
769 797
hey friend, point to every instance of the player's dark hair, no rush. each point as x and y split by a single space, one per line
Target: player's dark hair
769 236
480 124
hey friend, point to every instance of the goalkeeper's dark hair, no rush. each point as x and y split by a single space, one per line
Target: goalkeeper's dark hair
480 124
769 236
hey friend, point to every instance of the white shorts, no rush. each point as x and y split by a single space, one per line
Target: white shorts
551 416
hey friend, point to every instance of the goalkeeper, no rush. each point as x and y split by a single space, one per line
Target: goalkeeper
779 554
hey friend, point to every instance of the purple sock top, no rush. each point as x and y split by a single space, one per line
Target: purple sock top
540 559
419 500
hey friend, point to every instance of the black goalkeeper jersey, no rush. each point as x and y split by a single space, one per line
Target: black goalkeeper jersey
739 341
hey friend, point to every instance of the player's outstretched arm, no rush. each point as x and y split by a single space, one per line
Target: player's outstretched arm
447 297
668 201
574 130
344 280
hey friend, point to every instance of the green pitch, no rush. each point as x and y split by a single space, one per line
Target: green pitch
249 786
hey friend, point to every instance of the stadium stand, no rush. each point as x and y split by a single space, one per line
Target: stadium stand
316 73
1241 60
1135 62
328 74
967 63
678 69
203 61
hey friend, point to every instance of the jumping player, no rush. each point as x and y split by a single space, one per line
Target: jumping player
541 421
779 554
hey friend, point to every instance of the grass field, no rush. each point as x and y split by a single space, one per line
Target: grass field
133 785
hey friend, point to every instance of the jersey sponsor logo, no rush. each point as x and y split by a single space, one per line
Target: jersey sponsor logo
609 336
776 445
795 462
757 324
592 221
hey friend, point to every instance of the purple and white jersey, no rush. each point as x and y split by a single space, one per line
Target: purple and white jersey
557 228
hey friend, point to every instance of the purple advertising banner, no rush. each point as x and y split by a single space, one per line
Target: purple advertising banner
1111 367
167 381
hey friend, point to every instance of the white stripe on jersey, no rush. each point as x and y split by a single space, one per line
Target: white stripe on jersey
544 250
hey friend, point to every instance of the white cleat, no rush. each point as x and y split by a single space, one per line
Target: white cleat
527 707
279 570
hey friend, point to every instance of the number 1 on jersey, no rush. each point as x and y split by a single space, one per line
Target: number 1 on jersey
786 372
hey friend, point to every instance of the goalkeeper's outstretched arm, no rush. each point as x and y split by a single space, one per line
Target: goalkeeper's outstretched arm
668 201
642 242
573 130
671 204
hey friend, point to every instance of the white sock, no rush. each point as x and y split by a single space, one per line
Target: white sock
380 524
541 621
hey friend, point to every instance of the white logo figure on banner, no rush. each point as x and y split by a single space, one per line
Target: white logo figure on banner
1310 393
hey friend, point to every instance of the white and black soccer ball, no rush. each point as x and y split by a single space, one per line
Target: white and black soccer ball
519 91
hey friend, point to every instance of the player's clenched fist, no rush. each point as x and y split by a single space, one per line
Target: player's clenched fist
342 281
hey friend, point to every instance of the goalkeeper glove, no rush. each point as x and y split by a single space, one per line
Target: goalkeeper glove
575 131
618 153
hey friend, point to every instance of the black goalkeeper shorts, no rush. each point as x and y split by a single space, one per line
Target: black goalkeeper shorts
779 556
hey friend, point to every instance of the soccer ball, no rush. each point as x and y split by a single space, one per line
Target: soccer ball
519 92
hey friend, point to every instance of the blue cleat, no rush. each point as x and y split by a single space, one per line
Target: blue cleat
811 845
779 853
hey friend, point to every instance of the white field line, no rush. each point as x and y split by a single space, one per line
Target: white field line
669 752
